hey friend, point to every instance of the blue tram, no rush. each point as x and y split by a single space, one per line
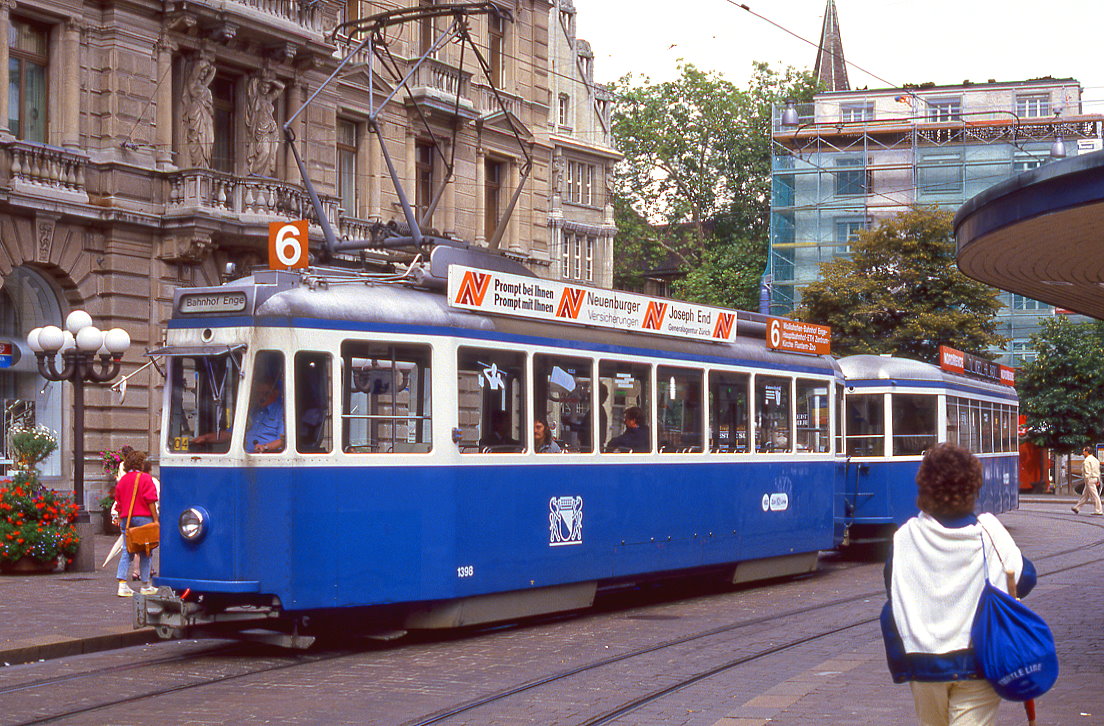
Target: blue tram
894 410
407 490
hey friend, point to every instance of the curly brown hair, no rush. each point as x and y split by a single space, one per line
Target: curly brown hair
948 481
134 461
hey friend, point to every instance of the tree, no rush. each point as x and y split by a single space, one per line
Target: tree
900 292
697 173
1062 390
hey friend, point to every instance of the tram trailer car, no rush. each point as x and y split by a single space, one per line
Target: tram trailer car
895 410
407 492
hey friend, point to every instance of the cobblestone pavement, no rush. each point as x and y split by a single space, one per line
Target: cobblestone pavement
836 679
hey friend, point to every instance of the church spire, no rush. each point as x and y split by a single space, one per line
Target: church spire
830 68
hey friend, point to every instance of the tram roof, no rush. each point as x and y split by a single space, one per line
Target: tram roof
895 371
358 301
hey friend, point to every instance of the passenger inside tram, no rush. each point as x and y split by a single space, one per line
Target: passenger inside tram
636 437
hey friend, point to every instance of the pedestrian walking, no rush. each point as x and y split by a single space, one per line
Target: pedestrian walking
1090 472
136 489
934 579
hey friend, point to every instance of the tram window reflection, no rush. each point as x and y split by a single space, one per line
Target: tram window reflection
562 392
265 428
866 424
728 412
203 393
812 416
914 423
313 411
772 414
386 403
679 410
623 392
491 399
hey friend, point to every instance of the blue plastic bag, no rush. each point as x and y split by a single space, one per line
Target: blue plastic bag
1014 646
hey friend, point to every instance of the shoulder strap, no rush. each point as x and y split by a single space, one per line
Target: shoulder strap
133 496
984 560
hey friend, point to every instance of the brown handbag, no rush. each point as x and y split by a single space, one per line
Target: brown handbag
145 538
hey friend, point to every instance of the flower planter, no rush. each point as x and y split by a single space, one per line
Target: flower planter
27 566
105 523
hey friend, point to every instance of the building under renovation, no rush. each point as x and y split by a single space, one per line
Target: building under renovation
853 157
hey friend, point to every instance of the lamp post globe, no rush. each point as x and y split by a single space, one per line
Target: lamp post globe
32 340
51 339
89 339
77 320
116 341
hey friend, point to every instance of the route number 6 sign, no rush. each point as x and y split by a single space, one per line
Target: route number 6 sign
287 244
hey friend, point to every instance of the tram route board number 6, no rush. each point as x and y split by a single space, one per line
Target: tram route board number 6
287 244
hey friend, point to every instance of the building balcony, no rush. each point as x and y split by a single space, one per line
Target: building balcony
47 172
225 16
440 87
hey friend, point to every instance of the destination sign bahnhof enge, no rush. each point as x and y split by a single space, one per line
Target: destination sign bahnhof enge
539 299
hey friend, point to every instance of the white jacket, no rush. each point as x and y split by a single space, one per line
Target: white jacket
937 579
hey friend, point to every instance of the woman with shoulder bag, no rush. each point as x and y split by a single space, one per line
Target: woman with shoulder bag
136 496
934 578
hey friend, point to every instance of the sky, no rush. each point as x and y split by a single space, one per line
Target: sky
900 41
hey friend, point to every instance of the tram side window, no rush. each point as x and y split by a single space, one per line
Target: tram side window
914 423
491 398
679 410
313 412
562 389
866 424
728 412
387 400
624 394
812 416
265 429
954 421
772 414
203 392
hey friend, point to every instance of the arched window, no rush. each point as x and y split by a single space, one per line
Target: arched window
27 301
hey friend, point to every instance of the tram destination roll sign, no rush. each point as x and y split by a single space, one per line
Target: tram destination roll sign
553 301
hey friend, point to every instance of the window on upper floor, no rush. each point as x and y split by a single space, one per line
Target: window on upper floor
423 189
28 53
496 43
567 20
850 177
427 31
1033 105
578 256
857 111
1019 302
563 110
581 182
940 174
224 116
1025 162
847 231
494 172
347 164
944 109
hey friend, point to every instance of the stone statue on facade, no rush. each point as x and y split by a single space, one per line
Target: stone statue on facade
262 91
199 106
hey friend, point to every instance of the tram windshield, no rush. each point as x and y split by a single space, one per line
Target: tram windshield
203 391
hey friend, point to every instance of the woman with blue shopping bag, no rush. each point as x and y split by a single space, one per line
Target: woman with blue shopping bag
935 577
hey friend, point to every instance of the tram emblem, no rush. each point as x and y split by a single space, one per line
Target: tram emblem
473 288
723 329
565 521
571 303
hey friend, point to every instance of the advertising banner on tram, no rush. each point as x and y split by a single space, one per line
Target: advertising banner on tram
956 361
554 301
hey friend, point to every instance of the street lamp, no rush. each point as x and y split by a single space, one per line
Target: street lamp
80 344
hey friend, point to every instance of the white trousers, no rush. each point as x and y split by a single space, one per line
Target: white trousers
1090 491
955 703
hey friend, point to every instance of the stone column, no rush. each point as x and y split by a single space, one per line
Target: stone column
70 85
513 226
5 27
448 201
480 196
410 176
163 94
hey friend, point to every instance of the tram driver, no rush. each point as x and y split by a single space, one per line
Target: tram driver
265 433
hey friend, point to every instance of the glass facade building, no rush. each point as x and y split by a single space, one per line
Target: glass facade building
857 157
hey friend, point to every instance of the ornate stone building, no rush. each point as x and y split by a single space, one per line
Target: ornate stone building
141 151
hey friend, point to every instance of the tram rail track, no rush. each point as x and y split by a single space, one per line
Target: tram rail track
606 716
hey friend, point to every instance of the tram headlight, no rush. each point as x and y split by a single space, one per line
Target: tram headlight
193 524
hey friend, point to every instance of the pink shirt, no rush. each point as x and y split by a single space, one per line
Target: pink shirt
147 493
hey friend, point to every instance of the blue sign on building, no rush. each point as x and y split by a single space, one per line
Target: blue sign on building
6 354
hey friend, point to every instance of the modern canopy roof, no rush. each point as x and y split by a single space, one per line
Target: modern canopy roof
1040 234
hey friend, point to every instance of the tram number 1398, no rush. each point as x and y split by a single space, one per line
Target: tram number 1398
465 571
